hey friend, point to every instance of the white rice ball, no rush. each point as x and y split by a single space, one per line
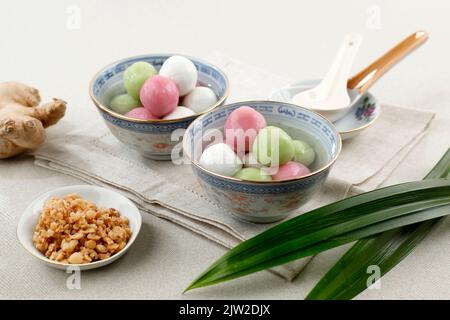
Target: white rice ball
182 71
200 99
179 112
221 159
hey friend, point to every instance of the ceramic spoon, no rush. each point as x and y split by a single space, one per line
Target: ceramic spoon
363 80
330 97
352 123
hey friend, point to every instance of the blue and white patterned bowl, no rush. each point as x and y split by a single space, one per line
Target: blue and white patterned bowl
269 201
152 138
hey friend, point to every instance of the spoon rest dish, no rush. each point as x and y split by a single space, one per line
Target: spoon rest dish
360 116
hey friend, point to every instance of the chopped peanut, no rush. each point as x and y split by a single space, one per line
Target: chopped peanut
76 258
91 244
73 230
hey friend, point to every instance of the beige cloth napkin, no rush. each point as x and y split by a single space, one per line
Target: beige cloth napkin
172 192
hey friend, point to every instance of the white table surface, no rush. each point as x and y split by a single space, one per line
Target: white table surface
292 38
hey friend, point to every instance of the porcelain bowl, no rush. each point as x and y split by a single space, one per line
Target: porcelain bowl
152 138
264 202
102 197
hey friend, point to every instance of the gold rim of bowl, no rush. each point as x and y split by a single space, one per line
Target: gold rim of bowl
121 116
329 163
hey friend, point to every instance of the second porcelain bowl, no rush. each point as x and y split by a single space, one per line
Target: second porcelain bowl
264 202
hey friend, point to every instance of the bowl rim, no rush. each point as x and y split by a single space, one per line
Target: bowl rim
159 121
90 265
233 179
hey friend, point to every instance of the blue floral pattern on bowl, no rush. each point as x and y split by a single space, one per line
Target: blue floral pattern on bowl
153 139
264 202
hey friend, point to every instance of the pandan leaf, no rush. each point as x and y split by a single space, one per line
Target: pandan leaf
348 277
330 226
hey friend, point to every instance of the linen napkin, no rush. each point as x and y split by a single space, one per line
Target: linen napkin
172 192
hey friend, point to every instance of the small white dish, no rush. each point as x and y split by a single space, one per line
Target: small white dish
362 115
101 197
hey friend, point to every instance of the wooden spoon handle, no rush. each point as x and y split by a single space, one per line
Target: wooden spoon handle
364 79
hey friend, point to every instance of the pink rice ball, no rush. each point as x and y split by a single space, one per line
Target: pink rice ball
291 170
159 95
242 127
141 113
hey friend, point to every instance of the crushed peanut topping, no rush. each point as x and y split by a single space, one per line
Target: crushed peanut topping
76 231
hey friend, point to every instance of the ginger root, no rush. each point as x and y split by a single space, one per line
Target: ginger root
22 120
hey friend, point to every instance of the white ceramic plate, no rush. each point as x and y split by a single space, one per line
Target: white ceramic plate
101 197
360 116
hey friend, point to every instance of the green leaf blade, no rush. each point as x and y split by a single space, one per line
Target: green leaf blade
226 272
348 277
318 230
